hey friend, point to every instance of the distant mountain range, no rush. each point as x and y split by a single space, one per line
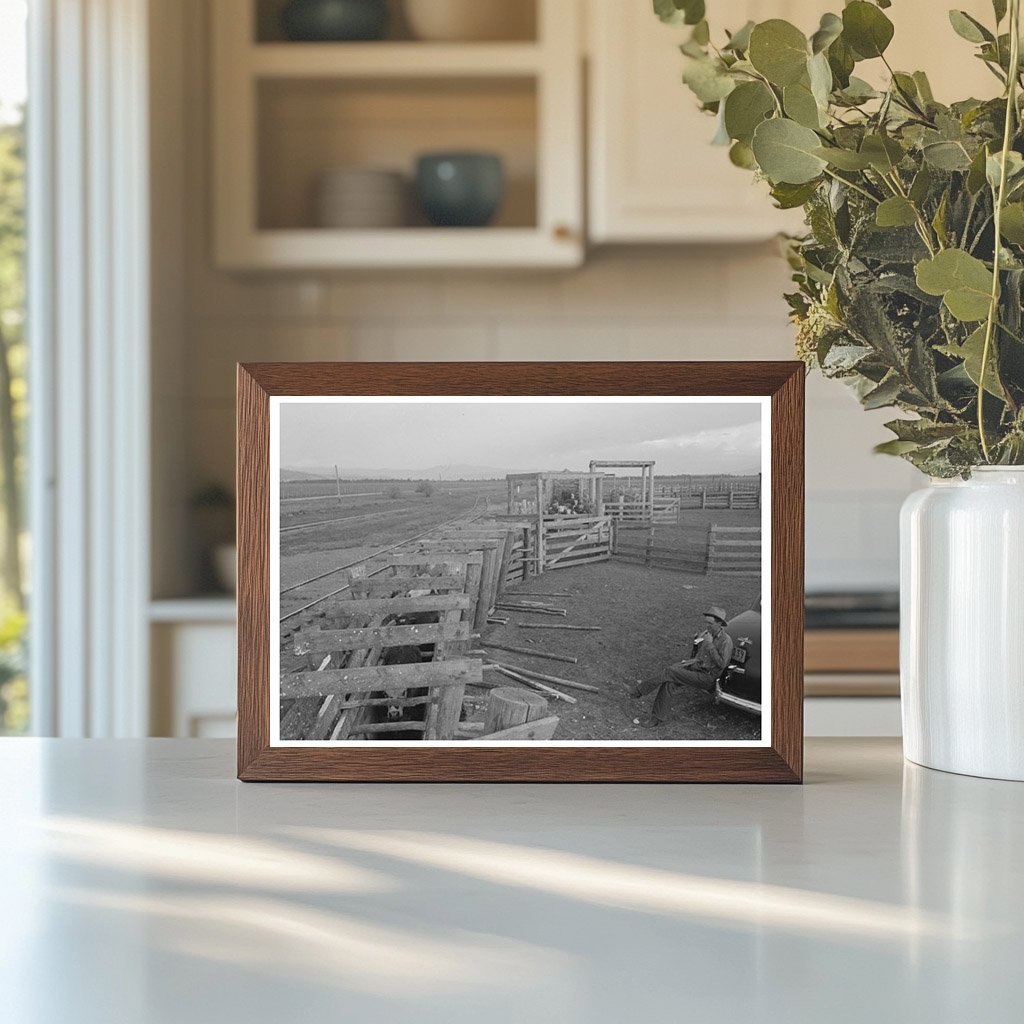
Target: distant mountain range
454 472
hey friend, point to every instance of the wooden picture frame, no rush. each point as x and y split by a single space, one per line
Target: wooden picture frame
778 759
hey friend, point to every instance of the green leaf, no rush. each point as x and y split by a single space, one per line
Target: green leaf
745 108
923 431
971 352
701 33
800 105
785 152
895 447
844 159
778 50
884 395
841 60
939 220
820 77
1012 226
676 12
866 29
858 91
741 155
708 80
969 28
946 156
830 29
739 41
789 197
883 153
999 7
963 281
976 174
924 87
1014 169
921 185
896 212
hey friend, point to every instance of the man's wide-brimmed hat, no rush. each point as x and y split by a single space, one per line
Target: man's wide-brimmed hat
717 613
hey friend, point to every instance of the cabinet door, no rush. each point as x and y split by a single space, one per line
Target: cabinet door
654 177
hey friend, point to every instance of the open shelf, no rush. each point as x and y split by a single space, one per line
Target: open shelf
520 17
288 113
393 60
308 127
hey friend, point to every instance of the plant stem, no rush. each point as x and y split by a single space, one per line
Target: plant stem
993 309
856 188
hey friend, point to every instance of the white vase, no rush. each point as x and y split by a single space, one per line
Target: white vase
962 624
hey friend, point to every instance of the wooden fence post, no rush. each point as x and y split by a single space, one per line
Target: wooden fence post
510 706
649 552
707 551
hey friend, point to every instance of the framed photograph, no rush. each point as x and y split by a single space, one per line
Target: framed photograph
520 572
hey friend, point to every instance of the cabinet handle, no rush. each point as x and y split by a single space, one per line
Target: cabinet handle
563 232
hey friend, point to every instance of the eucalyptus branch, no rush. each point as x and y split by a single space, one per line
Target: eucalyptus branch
850 184
1000 199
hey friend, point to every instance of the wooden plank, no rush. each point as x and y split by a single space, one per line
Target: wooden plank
735 529
557 694
403 605
527 610
438 558
852 650
380 677
583 561
357 659
385 702
397 584
556 680
544 655
384 727
552 625
325 641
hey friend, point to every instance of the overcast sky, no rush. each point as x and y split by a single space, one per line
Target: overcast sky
723 437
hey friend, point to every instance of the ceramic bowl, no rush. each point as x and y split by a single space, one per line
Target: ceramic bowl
334 20
470 20
460 189
358 197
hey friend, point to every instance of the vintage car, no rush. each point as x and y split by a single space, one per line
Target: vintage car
740 684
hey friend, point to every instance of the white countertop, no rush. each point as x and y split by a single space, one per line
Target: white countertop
143 885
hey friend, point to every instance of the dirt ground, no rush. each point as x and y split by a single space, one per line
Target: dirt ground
648 618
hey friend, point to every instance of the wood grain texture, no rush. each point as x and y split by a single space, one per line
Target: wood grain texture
461 762
852 650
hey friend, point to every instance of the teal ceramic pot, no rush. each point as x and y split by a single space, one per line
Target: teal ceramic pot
461 190
332 21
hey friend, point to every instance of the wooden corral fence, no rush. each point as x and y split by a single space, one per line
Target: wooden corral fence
637 544
713 491
388 656
735 550
721 499
663 511
575 540
394 643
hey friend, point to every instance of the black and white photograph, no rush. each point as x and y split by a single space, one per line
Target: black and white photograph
499 570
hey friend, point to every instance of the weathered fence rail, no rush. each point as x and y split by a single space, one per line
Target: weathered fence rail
735 550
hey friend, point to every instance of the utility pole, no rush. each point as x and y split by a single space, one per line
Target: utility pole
337 481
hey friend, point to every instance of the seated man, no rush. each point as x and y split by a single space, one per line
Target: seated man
714 650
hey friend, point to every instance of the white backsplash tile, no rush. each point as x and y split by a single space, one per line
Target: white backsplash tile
716 302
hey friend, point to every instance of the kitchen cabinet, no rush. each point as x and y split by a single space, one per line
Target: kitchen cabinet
653 175
287 113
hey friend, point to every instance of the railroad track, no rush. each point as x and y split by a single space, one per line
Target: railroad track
301 602
348 519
